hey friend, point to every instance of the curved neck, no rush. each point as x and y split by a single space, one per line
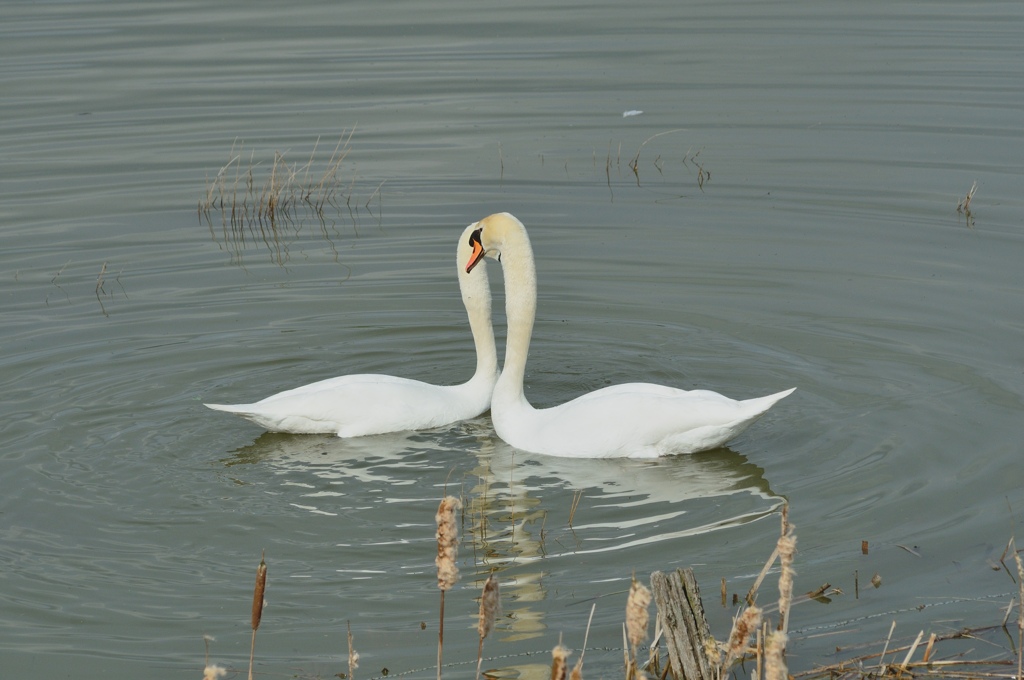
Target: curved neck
520 308
476 296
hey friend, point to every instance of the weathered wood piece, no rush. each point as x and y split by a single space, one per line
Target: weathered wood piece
687 635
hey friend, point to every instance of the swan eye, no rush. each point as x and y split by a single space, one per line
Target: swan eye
474 238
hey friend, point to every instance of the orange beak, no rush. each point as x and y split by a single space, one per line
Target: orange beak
478 251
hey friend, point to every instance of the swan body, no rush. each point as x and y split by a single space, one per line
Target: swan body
634 420
365 404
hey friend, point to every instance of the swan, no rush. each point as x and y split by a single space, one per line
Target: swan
634 420
365 404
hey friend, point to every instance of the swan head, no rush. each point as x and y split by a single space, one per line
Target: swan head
473 282
488 236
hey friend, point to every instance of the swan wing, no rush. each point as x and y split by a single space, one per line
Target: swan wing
636 420
363 404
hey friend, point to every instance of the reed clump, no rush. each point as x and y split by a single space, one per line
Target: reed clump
240 196
752 635
254 201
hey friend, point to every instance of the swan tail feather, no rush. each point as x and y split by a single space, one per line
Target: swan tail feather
231 408
762 404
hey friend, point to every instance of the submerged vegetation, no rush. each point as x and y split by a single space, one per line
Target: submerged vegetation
683 647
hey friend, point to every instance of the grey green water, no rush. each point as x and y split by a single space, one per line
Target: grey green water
793 223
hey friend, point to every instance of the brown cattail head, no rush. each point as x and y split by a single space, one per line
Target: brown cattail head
559 665
489 601
636 613
258 592
787 550
447 543
743 627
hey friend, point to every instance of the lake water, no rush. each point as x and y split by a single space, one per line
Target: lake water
791 221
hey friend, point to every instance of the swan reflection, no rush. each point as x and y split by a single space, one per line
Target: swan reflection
525 516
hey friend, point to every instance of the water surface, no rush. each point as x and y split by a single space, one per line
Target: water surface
793 223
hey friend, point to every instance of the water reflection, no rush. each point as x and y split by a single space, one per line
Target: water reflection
525 516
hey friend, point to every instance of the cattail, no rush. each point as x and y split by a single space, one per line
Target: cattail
489 600
257 605
743 627
775 645
258 592
213 672
353 656
447 550
636 613
774 656
559 655
447 543
787 549
636 621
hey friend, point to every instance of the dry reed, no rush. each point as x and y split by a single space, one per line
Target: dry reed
447 552
577 669
254 210
1020 615
257 605
577 496
964 206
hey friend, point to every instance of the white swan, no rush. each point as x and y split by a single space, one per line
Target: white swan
364 404
635 420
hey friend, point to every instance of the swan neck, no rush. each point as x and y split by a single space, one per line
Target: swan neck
476 296
520 310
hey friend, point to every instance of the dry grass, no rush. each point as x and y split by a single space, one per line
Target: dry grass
260 204
239 196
